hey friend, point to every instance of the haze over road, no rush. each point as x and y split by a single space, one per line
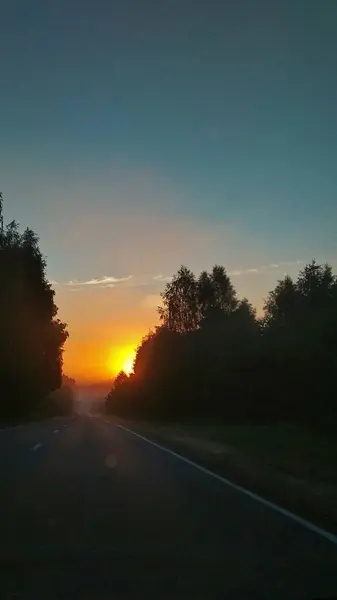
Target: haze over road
91 511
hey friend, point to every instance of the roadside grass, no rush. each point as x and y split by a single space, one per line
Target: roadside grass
286 447
287 463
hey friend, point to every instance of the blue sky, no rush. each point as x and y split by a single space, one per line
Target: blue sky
136 136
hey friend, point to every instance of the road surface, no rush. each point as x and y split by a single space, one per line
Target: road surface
90 511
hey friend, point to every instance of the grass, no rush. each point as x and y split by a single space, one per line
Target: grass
285 462
286 447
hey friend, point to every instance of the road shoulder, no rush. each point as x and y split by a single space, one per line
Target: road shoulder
311 499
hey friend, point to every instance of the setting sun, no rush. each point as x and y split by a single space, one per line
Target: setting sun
128 364
121 359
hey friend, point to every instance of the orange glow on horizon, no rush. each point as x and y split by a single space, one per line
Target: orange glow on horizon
100 360
128 364
121 359
105 328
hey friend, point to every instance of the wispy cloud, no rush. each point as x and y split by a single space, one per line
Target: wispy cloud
109 281
251 271
264 268
163 278
106 281
103 281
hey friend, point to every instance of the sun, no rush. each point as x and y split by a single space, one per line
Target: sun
121 359
128 364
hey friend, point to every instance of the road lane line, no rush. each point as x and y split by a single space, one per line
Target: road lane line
56 430
283 511
37 446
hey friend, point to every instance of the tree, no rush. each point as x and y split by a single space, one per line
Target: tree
300 338
216 294
224 292
120 380
61 401
212 357
32 338
282 304
206 294
316 284
180 311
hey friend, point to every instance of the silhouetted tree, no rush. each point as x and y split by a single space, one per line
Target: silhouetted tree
61 401
120 380
31 337
300 335
180 310
212 356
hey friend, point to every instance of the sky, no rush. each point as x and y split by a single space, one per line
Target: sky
136 136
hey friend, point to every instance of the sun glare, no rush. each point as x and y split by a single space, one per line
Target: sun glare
121 359
128 364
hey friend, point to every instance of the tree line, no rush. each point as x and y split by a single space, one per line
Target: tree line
211 357
31 335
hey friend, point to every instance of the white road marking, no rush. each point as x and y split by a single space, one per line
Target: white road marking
56 430
37 446
65 425
286 513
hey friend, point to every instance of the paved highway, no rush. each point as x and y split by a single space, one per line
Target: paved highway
91 511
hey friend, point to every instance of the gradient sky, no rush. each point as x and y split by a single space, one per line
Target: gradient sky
139 135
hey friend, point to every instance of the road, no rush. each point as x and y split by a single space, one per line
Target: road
91 511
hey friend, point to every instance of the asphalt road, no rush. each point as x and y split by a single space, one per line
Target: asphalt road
90 511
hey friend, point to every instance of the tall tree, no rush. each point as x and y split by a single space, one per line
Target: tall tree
206 294
31 337
224 292
282 303
180 311
212 357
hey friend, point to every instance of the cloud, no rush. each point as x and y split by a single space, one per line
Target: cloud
110 282
104 281
238 272
165 279
264 268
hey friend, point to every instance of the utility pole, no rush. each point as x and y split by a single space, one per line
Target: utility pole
1 213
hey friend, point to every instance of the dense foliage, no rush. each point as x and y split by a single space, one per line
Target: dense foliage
212 357
31 336
60 402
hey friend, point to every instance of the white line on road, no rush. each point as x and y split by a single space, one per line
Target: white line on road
286 513
56 430
37 446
